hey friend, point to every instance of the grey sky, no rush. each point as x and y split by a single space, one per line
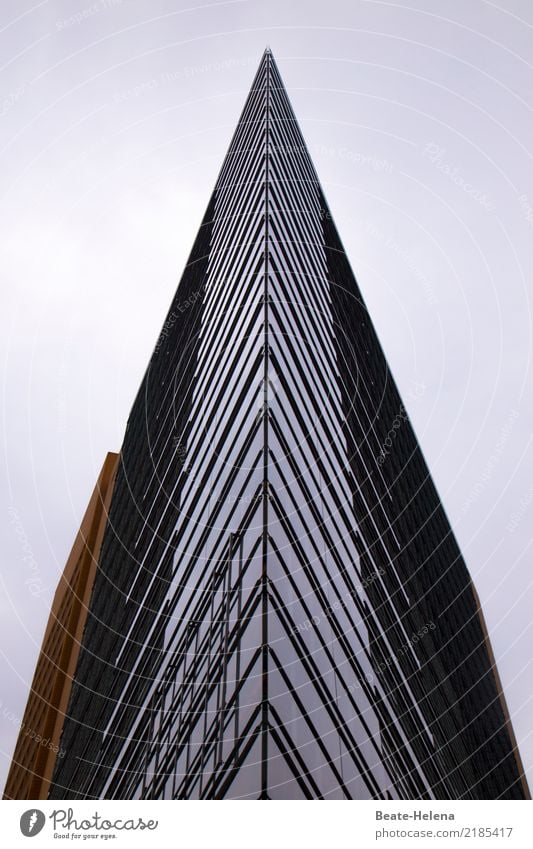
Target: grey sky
115 117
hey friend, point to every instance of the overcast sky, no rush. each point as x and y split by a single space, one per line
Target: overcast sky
115 117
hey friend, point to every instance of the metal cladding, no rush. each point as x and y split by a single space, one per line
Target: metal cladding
281 609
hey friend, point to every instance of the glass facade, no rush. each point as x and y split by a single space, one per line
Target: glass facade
281 610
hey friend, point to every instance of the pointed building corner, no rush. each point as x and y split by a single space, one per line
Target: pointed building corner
281 609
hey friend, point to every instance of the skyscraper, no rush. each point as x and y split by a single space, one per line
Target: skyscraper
281 610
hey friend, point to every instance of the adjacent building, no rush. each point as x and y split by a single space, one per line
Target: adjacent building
38 744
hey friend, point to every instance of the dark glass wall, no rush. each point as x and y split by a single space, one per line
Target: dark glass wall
281 609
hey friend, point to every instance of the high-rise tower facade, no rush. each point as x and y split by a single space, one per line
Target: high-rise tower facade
281 609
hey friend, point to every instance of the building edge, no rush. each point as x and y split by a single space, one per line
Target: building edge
37 746
501 694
